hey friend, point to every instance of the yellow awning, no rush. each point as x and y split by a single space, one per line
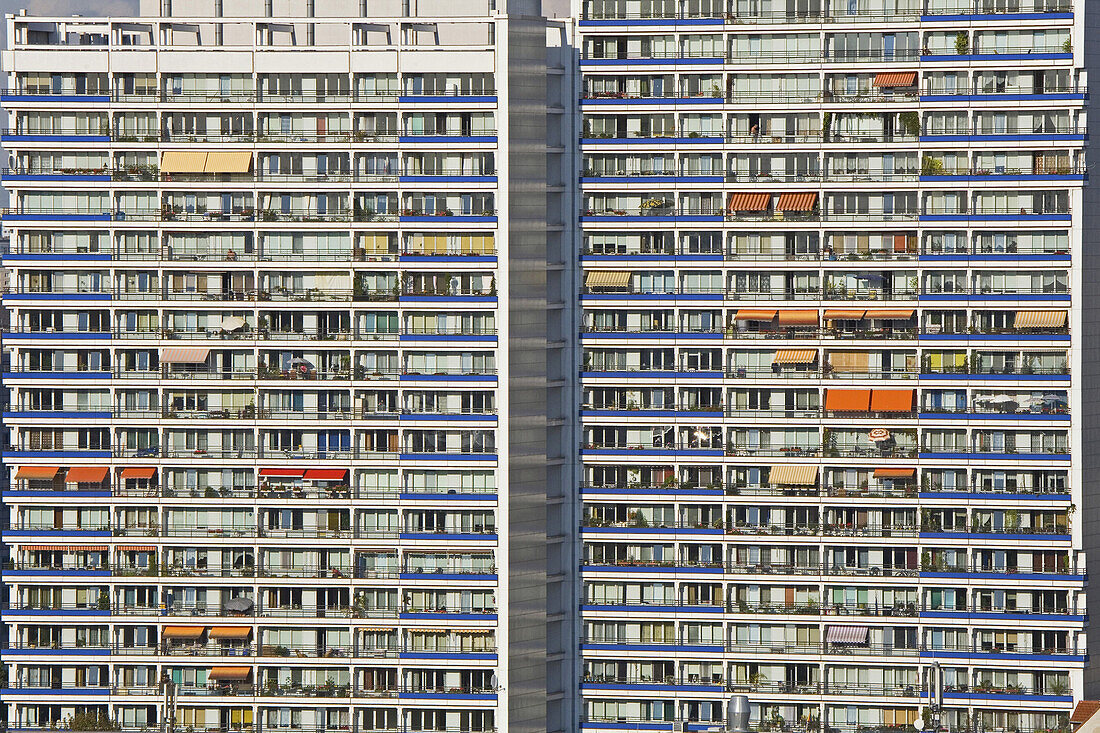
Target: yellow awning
232 161
795 356
1040 319
183 161
607 279
791 475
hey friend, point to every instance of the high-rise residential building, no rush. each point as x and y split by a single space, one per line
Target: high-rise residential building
833 354
285 368
291 366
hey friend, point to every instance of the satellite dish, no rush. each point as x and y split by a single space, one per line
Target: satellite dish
919 723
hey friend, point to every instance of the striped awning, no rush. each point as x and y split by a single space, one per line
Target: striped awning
896 79
136 548
182 632
607 279
66 548
795 356
895 473
798 318
183 161
796 202
230 161
848 400
230 632
1039 319
841 314
376 629
899 314
141 472
892 400
747 314
846 635
792 475
37 472
86 475
229 673
749 201
184 356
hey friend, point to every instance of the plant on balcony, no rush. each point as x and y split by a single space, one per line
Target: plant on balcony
1067 46
911 122
962 43
930 166
91 721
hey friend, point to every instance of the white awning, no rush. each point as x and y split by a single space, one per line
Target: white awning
184 356
847 635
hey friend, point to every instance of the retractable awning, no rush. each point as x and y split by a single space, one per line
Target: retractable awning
895 473
848 400
234 161
892 400
749 201
796 202
86 475
607 279
326 474
795 356
66 548
798 318
142 472
230 632
1039 319
184 356
789 475
841 314
37 472
283 472
846 635
747 314
229 673
895 79
898 314
183 161
182 632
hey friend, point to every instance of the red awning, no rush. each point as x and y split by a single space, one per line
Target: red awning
86 475
892 400
136 548
896 79
326 474
749 201
796 202
145 472
283 472
37 472
848 400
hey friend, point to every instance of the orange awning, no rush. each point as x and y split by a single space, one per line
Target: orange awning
895 473
797 318
86 475
896 79
37 472
749 201
892 400
795 356
138 472
182 632
848 400
229 673
796 202
888 315
746 314
1037 319
230 632
834 314
136 548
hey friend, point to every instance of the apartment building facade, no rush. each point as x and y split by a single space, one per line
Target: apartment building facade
833 260
284 385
